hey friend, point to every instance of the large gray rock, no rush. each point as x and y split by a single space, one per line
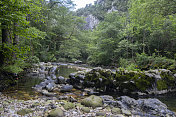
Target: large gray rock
151 107
92 101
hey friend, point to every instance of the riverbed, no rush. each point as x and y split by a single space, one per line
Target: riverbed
23 90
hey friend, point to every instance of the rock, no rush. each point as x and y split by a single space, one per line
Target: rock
120 115
46 93
56 113
91 22
109 100
24 111
66 88
72 99
92 101
126 112
61 80
101 114
68 106
53 69
78 62
127 102
53 76
116 111
85 109
50 87
63 97
151 107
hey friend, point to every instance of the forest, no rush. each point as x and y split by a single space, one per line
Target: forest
137 36
140 34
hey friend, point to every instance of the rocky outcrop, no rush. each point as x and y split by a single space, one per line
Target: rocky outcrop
91 22
127 82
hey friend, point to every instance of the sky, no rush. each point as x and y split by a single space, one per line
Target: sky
82 3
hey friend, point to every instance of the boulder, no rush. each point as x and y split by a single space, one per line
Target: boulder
92 101
109 100
126 112
116 111
85 109
61 80
151 107
69 105
24 112
46 93
66 88
56 113
78 62
50 86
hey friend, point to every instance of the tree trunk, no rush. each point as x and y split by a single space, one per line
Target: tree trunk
5 39
15 39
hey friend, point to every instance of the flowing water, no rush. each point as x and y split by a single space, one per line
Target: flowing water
23 90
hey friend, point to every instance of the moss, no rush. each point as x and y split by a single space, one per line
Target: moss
168 79
161 85
56 113
85 109
69 106
24 111
92 101
1 109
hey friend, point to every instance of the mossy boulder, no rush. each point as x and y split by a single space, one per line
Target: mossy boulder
24 111
85 109
92 101
116 111
69 105
56 113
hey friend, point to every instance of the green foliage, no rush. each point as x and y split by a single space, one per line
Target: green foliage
33 59
17 67
153 62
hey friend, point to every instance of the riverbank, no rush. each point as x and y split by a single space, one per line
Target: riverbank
90 106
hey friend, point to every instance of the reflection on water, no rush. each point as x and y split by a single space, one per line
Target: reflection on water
169 101
65 71
23 89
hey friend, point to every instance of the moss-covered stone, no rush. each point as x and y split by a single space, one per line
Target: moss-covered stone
85 109
92 101
56 113
1 109
116 111
24 111
69 105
